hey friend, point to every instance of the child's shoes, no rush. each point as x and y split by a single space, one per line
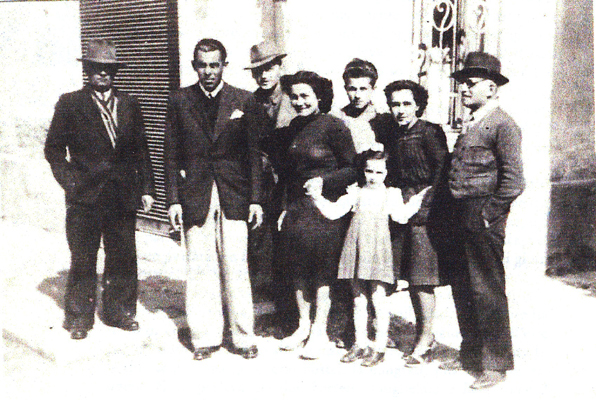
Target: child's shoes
373 358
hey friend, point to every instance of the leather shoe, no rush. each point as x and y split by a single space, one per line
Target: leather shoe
355 353
373 358
248 352
78 334
203 352
125 323
488 379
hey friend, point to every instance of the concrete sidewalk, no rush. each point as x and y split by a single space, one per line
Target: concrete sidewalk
554 327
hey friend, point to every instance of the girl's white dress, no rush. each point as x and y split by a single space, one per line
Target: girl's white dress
367 252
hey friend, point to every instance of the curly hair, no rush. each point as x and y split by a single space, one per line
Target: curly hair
358 68
322 87
419 93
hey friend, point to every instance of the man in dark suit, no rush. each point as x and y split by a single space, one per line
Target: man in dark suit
486 175
276 113
212 182
97 150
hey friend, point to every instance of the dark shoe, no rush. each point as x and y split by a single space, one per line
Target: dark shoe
373 358
125 323
355 353
248 353
416 360
203 352
489 379
78 334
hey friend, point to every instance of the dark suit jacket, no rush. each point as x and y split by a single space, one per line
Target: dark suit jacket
227 154
78 130
487 162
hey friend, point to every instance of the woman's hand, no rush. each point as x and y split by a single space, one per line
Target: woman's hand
255 213
314 186
280 220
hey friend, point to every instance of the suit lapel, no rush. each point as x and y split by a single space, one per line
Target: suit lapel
89 108
224 111
200 113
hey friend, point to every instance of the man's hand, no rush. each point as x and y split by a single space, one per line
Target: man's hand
255 213
314 186
175 215
280 220
147 202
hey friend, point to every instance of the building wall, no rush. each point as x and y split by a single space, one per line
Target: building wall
39 47
526 49
572 217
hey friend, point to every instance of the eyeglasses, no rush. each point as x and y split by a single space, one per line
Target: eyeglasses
470 83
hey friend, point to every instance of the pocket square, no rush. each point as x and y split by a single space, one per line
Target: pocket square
236 114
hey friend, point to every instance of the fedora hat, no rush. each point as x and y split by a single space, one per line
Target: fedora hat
101 51
482 65
264 52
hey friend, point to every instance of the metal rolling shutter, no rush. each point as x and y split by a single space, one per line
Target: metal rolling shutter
146 36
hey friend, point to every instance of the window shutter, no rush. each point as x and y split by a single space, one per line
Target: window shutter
146 36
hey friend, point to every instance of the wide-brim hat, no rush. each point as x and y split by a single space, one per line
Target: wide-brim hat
263 53
481 65
102 51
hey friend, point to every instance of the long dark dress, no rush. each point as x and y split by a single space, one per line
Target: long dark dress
312 146
418 157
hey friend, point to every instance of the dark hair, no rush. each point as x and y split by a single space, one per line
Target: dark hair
419 93
322 87
361 160
358 68
209 44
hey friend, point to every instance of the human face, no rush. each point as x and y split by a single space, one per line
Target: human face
375 172
267 76
360 91
101 76
209 67
403 107
303 99
476 92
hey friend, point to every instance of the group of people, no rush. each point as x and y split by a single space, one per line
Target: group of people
370 198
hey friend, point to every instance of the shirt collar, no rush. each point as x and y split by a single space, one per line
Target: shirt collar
215 91
103 96
273 97
367 114
483 111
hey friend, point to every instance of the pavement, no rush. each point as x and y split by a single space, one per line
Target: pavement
553 325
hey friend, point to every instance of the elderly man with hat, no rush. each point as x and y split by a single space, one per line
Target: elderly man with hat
486 176
98 153
276 113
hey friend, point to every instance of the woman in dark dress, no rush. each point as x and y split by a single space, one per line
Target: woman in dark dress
418 158
315 150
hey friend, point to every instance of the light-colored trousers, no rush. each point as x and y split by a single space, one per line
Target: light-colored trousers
216 255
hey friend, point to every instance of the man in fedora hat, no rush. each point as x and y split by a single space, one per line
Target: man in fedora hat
276 113
212 177
486 175
98 153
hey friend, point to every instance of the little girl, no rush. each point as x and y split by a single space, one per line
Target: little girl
367 257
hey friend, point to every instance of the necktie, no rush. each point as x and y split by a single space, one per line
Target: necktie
106 109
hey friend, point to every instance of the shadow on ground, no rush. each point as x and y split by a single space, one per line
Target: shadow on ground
160 293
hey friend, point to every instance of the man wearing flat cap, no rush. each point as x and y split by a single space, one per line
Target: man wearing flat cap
486 176
276 113
98 153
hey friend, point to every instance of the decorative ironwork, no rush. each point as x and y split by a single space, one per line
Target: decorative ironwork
477 16
444 19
